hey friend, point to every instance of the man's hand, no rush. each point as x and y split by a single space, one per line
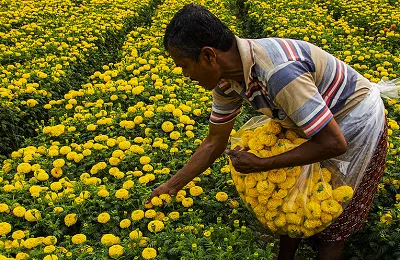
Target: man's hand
162 189
245 162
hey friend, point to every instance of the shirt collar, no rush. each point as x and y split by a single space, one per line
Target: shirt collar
246 51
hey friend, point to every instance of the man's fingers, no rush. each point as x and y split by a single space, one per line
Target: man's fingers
237 148
148 200
230 152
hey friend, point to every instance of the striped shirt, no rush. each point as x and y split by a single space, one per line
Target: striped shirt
292 81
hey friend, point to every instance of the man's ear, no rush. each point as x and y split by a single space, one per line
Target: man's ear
208 55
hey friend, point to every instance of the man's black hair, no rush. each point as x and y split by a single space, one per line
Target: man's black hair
194 27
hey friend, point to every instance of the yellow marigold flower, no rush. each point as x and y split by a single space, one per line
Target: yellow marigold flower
7 167
103 193
138 120
78 239
24 168
293 218
262 199
147 168
8 188
166 197
128 184
114 161
145 160
173 215
19 211
177 112
312 223
31 102
49 249
32 215
253 201
148 114
271 226
124 145
5 228
291 135
288 183
331 206
50 257
250 181
91 127
326 175
19 234
116 251
177 70
260 210
221 196
109 239
265 187
272 127
322 191
135 234
137 215
289 206
279 194
56 186
267 139
293 171
58 209
31 243
122 194
196 191
65 150
278 149
174 135
343 193
125 223
187 202
41 175
156 201
252 192
280 220
4 208
70 219
270 215
294 230
21 256
255 144
387 218
167 126
313 210
326 217
277 176
274 204
56 172
155 226
149 253
103 217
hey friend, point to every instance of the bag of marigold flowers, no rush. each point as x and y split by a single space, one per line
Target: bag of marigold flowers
302 201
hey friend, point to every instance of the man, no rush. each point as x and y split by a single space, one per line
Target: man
294 82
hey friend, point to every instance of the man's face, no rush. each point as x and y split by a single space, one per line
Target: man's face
205 71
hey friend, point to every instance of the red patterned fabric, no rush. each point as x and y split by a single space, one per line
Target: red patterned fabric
356 213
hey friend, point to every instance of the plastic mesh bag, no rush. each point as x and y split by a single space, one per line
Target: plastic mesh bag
302 201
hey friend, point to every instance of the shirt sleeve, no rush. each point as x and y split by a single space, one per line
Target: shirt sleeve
226 103
294 91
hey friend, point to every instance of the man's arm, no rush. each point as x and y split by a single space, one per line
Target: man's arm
329 142
209 150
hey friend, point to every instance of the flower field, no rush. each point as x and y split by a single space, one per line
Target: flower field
95 115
